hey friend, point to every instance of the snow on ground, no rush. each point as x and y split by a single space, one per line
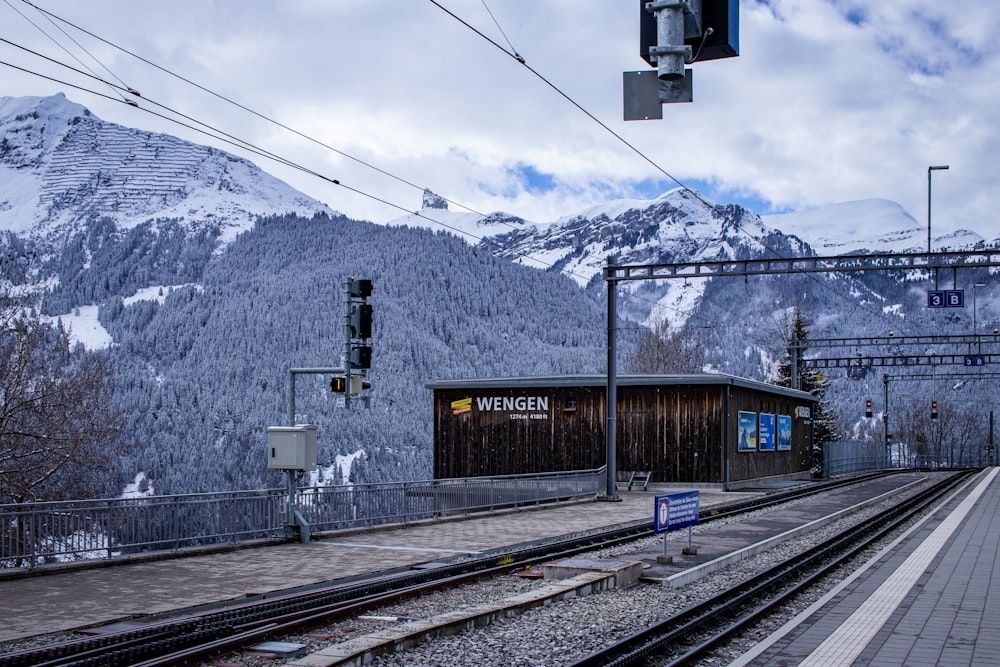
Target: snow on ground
84 327
329 473
139 488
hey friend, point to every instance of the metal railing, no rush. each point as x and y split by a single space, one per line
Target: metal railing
844 457
32 534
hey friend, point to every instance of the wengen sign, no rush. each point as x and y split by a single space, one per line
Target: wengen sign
512 403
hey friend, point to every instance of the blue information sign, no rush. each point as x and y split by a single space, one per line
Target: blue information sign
676 510
975 360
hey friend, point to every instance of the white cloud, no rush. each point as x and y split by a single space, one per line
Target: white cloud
830 100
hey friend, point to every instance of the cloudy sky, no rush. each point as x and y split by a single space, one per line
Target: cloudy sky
829 100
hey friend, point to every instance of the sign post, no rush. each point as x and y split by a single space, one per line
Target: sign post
672 512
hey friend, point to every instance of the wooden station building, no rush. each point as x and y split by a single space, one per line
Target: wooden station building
710 430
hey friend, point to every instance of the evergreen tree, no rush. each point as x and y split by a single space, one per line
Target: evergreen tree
824 422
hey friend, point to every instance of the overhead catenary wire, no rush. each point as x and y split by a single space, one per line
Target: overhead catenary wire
256 150
520 59
56 42
232 140
254 112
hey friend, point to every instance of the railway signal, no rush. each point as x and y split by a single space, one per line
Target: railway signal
868 409
934 412
341 385
357 346
672 34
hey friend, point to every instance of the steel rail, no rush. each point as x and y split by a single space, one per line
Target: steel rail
183 638
758 593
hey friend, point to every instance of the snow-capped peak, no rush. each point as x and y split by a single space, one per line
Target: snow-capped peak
60 164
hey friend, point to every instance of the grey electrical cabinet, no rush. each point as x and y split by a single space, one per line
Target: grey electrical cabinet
291 447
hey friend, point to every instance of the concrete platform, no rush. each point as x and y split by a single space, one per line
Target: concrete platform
56 602
722 544
930 598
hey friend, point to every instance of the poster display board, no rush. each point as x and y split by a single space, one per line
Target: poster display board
784 433
747 432
765 437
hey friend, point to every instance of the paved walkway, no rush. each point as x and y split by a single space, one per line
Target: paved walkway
55 602
930 598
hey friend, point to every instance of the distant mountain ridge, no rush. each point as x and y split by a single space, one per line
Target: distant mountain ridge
60 164
680 226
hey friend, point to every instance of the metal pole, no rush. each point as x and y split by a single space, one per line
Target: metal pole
347 342
885 419
290 514
290 474
291 397
671 54
611 395
292 372
929 170
725 439
975 327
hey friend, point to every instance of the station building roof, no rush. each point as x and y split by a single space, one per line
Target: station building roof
547 381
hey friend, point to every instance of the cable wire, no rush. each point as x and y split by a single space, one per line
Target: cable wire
624 141
235 141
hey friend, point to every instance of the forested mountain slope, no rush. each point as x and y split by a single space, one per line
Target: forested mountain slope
204 373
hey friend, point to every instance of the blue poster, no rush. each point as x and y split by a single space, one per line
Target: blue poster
766 442
784 432
746 436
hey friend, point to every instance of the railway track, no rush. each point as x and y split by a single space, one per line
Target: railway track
190 637
695 632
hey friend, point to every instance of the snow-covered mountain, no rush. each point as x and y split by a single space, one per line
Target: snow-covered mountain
679 226
875 225
60 164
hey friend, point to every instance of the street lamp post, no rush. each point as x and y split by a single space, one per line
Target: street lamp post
940 167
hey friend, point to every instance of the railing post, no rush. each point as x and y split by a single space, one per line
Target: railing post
30 536
110 528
